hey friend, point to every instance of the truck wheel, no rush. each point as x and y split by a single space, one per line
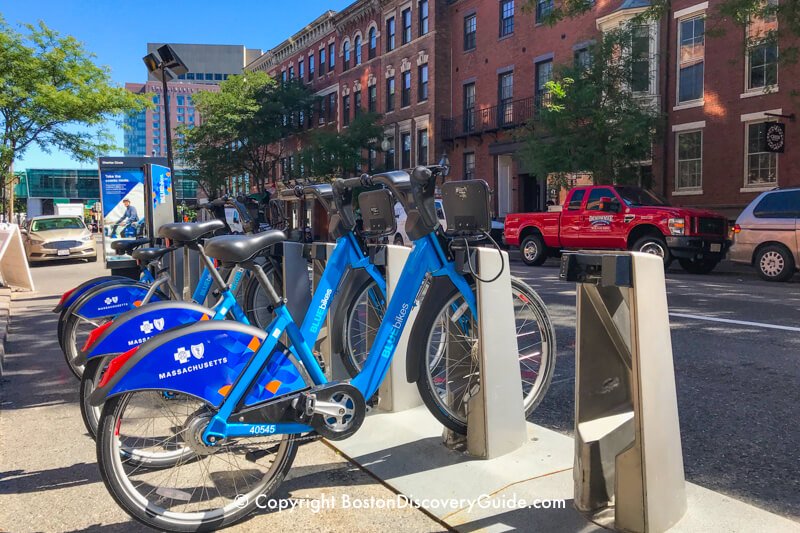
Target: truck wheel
652 244
698 266
533 250
775 263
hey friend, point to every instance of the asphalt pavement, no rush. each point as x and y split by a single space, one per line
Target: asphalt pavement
736 343
735 339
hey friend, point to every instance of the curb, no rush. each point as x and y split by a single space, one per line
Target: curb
5 316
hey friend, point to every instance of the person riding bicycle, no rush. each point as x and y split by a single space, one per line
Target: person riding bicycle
130 214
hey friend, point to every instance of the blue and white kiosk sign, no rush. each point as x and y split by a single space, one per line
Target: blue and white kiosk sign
132 190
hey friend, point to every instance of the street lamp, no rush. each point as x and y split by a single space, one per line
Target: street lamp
166 65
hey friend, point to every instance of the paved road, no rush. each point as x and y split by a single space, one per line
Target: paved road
738 382
48 476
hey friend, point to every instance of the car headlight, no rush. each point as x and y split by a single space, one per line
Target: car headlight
87 238
677 226
35 240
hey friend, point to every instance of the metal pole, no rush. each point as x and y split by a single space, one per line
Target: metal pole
166 122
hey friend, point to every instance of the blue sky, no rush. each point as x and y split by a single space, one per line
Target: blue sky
117 32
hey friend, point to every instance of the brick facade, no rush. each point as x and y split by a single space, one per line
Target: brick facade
714 174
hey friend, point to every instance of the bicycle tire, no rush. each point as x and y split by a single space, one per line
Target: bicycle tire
343 342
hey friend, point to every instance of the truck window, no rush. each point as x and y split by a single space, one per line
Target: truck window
636 197
593 203
779 205
576 200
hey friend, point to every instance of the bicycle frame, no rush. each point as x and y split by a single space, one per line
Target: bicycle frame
426 257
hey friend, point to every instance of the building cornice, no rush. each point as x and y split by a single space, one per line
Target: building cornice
316 30
358 13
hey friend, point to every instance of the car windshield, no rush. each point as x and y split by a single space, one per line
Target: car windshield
636 197
48 224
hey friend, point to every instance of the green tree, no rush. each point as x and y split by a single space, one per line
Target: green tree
328 154
50 92
592 120
244 130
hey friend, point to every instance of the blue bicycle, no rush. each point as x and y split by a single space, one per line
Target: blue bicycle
229 403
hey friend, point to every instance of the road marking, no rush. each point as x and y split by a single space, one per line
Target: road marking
738 322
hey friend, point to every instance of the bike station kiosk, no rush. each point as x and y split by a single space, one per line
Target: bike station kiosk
140 186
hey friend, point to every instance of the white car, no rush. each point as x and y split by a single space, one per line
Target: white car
401 237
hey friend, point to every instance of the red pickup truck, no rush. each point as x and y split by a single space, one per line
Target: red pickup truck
605 217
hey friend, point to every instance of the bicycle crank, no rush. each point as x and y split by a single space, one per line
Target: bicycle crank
335 411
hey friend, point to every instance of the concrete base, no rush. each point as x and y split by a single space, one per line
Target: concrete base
405 451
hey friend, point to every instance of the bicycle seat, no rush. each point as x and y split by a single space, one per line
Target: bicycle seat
240 248
126 247
147 255
189 231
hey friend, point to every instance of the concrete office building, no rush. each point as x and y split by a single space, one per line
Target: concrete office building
209 63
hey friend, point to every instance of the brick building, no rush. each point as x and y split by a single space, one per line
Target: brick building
467 73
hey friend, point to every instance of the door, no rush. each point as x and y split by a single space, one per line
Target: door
529 194
504 206
601 229
570 220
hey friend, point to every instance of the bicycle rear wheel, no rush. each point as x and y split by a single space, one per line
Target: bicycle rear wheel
449 368
209 489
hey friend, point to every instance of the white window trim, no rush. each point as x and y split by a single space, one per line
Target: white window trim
760 91
754 91
688 126
761 115
691 10
757 118
680 16
689 190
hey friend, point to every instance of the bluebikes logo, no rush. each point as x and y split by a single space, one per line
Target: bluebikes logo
319 314
397 325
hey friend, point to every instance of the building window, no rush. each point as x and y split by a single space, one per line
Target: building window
357 102
543 9
470 31
217 77
405 141
301 69
690 160
544 74
761 166
332 107
506 17
390 34
321 62
390 94
505 97
422 83
388 161
422 147
691 54
469 166
422 11
405 90
283 76
640 59
311 67
469 107
582 58
762 50
331 57
357 46
346 110
346 53
406 18
156 99
181 101
373 43
190 75
209 76
372 156
291 73
372 98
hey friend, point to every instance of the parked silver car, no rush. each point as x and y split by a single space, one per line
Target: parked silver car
767 234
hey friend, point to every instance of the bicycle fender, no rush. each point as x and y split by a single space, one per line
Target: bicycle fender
79 291
202 360
136 326
113 300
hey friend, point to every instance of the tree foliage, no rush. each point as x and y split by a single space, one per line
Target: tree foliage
592 121
50 92
328 154
244 129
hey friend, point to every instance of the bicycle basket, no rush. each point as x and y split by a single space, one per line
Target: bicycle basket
466 207
377 213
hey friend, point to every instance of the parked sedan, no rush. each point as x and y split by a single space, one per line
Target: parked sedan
51 238
767 234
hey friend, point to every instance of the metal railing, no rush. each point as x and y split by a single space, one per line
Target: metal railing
501 116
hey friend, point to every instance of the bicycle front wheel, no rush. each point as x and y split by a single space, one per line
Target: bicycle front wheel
449 368
209 489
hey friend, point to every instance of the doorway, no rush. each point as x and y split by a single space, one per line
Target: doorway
504 205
